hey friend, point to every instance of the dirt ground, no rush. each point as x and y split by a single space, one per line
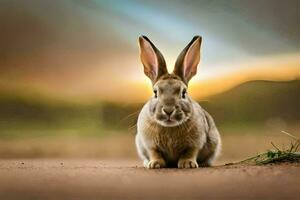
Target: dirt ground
235 146
126 179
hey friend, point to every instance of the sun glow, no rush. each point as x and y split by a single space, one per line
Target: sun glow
279 68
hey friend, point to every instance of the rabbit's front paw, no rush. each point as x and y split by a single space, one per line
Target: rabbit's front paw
156 164
187 163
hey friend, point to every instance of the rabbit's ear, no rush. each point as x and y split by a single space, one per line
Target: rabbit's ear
188 59
153 61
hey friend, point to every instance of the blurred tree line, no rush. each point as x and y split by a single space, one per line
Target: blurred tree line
250 103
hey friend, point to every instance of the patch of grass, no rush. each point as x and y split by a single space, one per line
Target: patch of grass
276 155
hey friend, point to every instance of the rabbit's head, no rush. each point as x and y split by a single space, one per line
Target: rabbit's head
170 104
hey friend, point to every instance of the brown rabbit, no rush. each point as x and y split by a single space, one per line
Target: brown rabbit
172 129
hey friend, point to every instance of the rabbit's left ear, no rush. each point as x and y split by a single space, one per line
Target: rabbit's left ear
188 60
153 61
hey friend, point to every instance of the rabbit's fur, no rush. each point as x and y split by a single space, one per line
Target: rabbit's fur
172 129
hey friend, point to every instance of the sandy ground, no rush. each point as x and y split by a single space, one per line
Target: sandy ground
125 179
235 147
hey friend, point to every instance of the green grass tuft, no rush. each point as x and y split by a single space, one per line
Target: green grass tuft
276 155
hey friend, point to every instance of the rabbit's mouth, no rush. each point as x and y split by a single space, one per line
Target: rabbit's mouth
169 121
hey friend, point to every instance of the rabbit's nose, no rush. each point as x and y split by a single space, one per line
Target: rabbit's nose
168 110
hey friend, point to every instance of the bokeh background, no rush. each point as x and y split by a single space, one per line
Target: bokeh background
71 83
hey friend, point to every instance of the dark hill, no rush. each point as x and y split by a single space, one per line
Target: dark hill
257 101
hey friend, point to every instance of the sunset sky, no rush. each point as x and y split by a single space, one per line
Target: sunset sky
88 49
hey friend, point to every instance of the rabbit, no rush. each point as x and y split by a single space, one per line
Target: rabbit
173 130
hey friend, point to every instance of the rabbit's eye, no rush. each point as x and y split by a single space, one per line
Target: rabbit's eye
155 93
183 94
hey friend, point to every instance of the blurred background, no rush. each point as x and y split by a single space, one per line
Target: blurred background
71 83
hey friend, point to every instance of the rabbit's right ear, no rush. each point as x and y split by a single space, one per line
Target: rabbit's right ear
153 61
187 61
